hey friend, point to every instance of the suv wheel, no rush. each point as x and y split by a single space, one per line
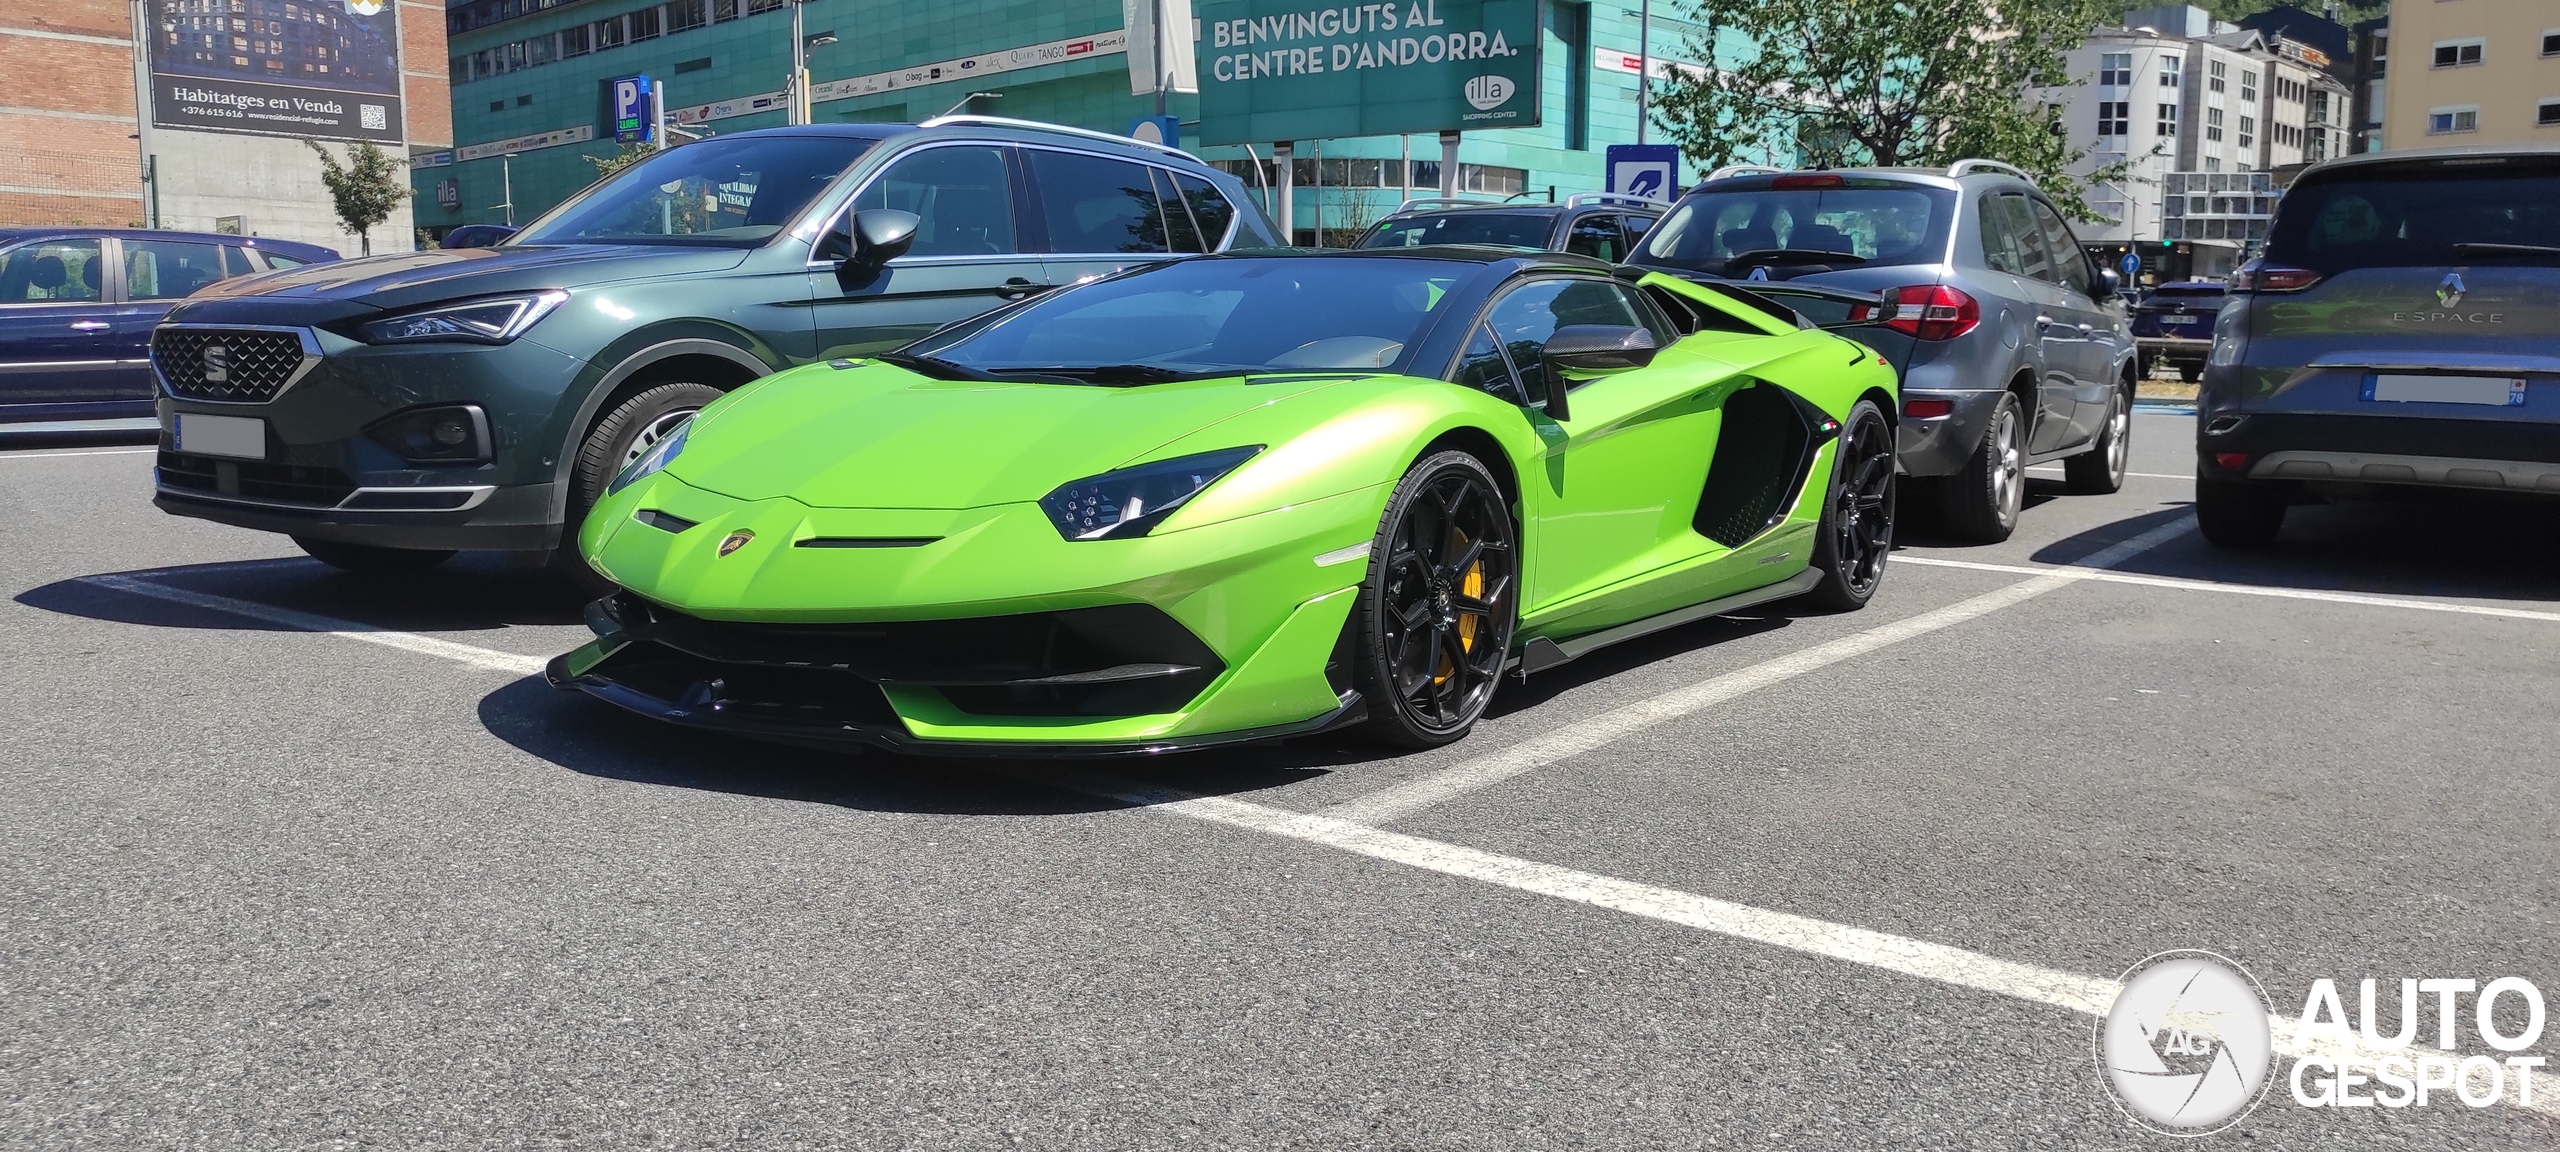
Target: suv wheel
2100 470
1981 501
617 440
2237 513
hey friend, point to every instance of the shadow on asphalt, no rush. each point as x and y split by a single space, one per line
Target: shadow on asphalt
472 592
1916 523
2451 548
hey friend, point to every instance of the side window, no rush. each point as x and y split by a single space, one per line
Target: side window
962 201
168 269
1096 204
1597 235
1999 240
1482 368
1524 320
51 270
280 260
1208 207
1184 234
2070 264
2026 240
1637 226
236 260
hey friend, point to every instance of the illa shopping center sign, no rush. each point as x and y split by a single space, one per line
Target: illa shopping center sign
1291 70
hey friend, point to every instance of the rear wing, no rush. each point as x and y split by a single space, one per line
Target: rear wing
1698 301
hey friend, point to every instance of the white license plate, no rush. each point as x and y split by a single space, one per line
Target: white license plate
2180 319
2490 391
234 436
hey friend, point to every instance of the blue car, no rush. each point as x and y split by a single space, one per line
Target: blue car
76 310
2173 325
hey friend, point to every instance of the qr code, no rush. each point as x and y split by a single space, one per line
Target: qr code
374 117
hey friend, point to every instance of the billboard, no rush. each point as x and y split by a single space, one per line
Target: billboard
1298 70
323 68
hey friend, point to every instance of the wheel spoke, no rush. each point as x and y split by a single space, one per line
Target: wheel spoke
1457 569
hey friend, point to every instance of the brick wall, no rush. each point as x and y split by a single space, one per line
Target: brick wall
425 75
69 158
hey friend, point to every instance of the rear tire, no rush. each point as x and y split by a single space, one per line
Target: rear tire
2237 513
1855 538
2190 373
618 439
1432 629
1982 500
2100 470
371 559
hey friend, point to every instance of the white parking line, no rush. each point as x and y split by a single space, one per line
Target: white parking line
488 658
2085 995
2240 589
63 455
1396 802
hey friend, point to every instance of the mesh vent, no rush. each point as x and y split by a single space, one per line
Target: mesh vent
237 365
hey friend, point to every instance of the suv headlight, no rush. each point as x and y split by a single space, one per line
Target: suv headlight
1133 500
654 460
494 320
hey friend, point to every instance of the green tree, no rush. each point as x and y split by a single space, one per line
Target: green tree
1843 83
621 158
365 189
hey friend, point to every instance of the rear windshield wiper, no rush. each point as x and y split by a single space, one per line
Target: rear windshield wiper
934 366
2470 248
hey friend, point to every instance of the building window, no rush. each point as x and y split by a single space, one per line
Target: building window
540 50
2215 70
686 15
2248 131
608 33
2112 117
2168 71
644 24
2115 68
460 67
2546 114
757 7
2462 119
723 11
2213 163
2213 123
573 41
2249 87
2551 43
2457 53
2168 125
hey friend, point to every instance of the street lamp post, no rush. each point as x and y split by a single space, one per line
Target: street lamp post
798 86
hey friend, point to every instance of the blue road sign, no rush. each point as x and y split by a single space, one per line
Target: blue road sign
631 123
2132 263
1165 130
1648 170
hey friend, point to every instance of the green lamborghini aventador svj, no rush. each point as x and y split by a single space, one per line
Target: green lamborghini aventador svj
1237 498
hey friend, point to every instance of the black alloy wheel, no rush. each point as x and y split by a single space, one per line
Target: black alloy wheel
1440 603
1856 535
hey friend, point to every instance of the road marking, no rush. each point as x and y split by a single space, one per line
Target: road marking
2188 585
489 658
61 455
1396 802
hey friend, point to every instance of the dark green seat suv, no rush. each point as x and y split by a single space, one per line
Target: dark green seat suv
389 411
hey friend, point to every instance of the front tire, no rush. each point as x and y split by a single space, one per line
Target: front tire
2100 470
1856 535
2237 513
1436 613
371 559
632 428
1982 500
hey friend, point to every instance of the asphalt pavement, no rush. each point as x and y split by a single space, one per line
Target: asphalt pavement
296 859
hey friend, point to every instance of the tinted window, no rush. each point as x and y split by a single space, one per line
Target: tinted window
2069 266
1482 368
280 260
1095 204
1637 226
1524 320
726 191
1501 229
962 202
2011 240
51 270
1213 318
1178 223
168 269
1886 224
1209 208
1597 236
2398 217
236 261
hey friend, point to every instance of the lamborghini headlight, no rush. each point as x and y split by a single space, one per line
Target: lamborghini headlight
653 460
494 320
1133 500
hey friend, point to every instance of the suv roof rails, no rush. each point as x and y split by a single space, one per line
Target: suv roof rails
1421 202
1962 167
1742 170
1045 126
1579 199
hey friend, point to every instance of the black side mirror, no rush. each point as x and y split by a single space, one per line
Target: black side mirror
880 235
1588 349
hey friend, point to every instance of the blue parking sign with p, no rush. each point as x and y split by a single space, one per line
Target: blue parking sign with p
631 120
1651 171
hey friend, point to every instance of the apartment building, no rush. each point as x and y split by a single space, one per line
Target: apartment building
2472 72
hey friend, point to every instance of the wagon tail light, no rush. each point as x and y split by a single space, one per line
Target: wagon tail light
2261 277
1930 311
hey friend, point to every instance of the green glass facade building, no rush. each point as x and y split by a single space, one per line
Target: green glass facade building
532 101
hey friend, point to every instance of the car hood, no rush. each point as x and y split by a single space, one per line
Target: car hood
405 279
878 436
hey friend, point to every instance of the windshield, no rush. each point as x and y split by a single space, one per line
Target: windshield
2415 216
731 193
1500 229
1205 318
1884 225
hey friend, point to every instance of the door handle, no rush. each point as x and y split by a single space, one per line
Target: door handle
90 325
1015 288
2086 329
2043 322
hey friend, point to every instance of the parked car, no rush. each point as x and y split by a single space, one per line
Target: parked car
2173 325
2399 335
386 412
77 306
1594 224
2012 345
476 236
